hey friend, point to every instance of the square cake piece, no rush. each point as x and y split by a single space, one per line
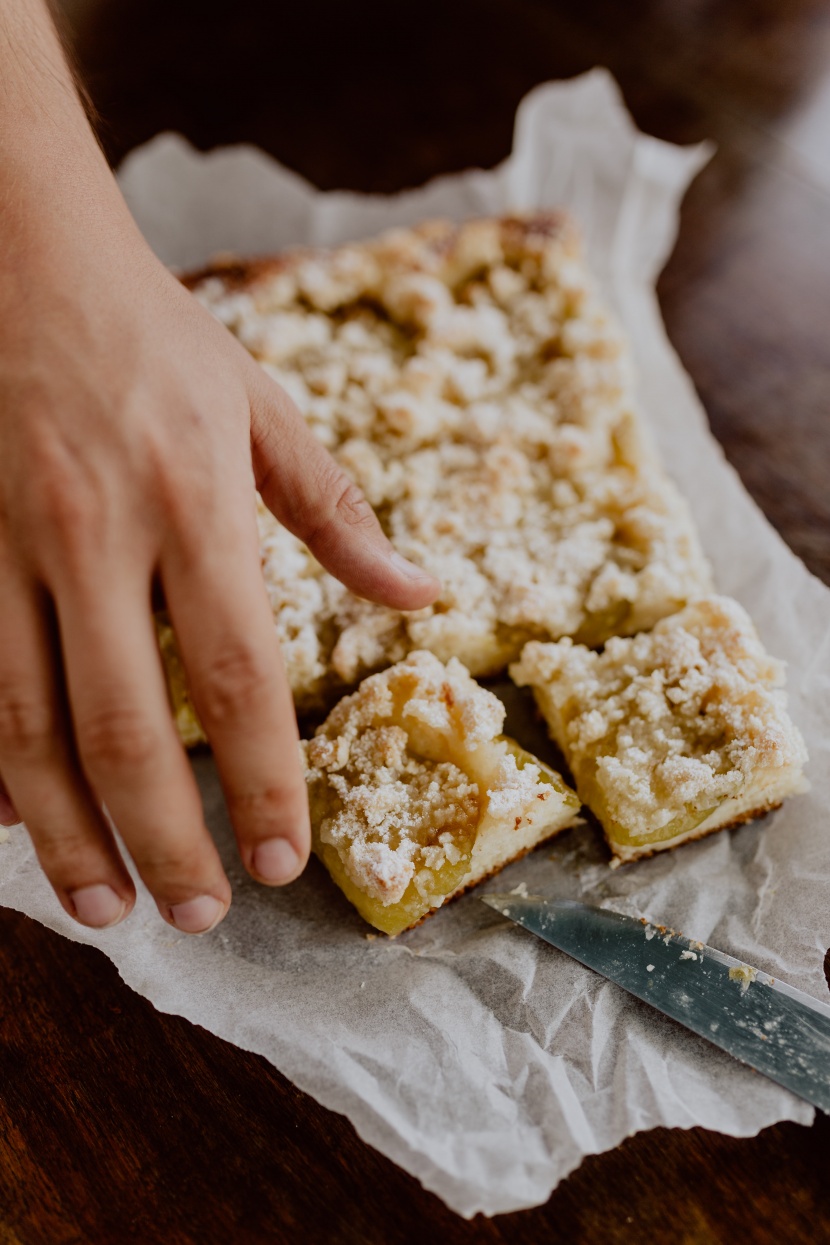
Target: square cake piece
415 796
470 380
673 733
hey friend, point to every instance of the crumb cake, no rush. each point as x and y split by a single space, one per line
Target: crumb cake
416 796
184 713
470 380
674 733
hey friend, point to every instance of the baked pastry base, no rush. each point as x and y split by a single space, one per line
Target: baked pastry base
415 796
731 814
685 727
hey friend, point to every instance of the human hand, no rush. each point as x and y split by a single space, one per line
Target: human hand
132 429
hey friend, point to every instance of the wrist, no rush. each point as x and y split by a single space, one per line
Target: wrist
55 184
54 180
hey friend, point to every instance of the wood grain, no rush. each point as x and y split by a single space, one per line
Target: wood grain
118 1124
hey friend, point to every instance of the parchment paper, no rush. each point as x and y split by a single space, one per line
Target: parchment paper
477 1058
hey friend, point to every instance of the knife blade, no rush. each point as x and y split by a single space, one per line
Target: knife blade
761 1021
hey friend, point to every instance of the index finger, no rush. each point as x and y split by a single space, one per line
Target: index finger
313 497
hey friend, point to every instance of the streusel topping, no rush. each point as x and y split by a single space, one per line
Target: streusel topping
672 721
518 556
471 382
437 332
402 771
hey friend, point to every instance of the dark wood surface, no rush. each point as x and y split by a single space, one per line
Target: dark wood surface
118 1124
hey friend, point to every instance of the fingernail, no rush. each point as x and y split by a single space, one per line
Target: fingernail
197 916
276 861
98 906
8 812
409 568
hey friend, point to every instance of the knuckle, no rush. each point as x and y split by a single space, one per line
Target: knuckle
267 809
27 726
65 507
340 501
185 481
166 862
231 681
185 512
66 512
117 738
62 499
66 853
353 508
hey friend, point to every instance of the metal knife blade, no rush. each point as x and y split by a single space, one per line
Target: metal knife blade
761 1021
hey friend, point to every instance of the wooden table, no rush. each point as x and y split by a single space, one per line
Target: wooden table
118 1124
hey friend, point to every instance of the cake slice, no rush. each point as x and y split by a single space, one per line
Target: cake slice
415 796
673 733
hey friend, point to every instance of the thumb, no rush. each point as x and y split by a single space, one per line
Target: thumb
312 496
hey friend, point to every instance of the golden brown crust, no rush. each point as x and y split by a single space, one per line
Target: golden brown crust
468 886
241 273
740 820
616 862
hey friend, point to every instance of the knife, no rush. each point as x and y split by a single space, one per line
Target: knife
761 1021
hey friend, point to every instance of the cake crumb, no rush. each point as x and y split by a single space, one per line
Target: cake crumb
745 974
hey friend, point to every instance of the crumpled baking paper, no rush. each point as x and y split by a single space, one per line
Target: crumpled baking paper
476 1057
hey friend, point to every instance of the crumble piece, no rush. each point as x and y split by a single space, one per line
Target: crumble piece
674 733
415 796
